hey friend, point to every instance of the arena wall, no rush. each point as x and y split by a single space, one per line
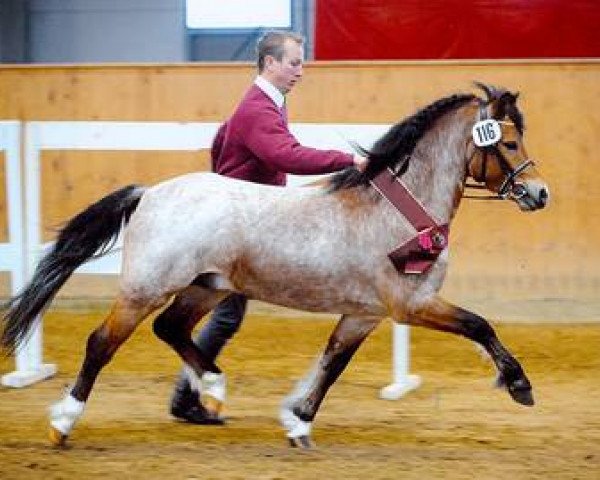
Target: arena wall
499 256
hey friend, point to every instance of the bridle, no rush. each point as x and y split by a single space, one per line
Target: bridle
509 187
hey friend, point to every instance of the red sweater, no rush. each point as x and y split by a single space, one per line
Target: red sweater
256 145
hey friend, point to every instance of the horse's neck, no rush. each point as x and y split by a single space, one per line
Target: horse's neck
437 170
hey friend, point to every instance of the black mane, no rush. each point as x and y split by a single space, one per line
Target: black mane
393 149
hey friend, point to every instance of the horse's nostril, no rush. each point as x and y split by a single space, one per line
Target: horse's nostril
543 196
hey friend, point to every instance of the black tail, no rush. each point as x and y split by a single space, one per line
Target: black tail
89 234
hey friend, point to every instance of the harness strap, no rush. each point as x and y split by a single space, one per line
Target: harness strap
395 192
420 252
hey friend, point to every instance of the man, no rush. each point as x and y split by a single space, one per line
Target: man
256 145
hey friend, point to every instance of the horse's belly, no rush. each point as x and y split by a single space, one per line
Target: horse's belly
313 293
321 305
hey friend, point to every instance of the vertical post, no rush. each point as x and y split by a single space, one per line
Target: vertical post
29 366
10 142
402 381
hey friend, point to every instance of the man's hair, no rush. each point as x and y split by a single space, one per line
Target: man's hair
271 43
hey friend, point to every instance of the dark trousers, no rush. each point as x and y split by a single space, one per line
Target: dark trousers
224 322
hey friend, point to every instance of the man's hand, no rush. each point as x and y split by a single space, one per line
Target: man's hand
360 162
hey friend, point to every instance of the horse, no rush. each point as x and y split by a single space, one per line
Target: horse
190 241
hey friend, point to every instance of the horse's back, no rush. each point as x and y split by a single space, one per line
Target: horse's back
196 223
201 184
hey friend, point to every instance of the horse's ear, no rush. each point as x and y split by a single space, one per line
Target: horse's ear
507 101
507 106
509 97
490 92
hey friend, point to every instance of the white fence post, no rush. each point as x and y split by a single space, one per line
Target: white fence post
29 365
11 252
402 381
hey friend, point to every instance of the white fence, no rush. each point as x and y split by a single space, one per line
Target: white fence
13 258
11 252
155 136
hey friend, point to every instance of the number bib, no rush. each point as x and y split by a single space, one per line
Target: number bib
486 132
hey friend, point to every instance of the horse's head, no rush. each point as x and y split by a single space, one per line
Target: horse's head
497 156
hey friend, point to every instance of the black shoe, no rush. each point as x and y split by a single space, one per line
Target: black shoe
196 414
186 406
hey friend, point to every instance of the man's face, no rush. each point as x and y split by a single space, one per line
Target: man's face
286 73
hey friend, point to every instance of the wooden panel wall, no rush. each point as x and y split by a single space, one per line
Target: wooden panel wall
548 254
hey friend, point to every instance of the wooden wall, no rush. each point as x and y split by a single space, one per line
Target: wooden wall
498 252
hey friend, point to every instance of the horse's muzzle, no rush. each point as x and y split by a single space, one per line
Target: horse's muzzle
530 195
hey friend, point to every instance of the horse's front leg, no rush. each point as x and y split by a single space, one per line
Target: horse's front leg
441 315
300 407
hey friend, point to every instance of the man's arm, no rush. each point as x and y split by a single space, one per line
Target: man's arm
266 135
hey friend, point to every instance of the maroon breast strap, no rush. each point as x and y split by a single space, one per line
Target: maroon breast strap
420 252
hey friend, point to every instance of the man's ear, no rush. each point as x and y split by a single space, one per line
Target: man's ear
269 60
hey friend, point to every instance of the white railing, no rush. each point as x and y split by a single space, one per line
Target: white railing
40 136
11 251
13 258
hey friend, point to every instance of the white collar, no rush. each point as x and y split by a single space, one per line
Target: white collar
272 92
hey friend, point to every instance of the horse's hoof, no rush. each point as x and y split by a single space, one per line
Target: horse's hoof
212 405
57 438
520 391
303 442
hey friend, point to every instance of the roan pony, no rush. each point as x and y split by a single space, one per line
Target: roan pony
326 248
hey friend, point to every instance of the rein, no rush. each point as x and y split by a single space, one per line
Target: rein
503 191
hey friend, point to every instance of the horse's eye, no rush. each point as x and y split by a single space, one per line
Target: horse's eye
510 145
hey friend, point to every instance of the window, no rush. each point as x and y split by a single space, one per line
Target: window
238 14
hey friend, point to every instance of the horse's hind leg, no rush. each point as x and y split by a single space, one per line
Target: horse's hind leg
301 406
102 344
441 315
175 324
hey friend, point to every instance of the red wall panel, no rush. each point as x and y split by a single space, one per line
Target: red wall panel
456 29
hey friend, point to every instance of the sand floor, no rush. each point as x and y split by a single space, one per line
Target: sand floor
456 426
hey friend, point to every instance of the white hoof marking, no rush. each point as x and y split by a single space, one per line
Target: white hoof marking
214 385
65 413
294 426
